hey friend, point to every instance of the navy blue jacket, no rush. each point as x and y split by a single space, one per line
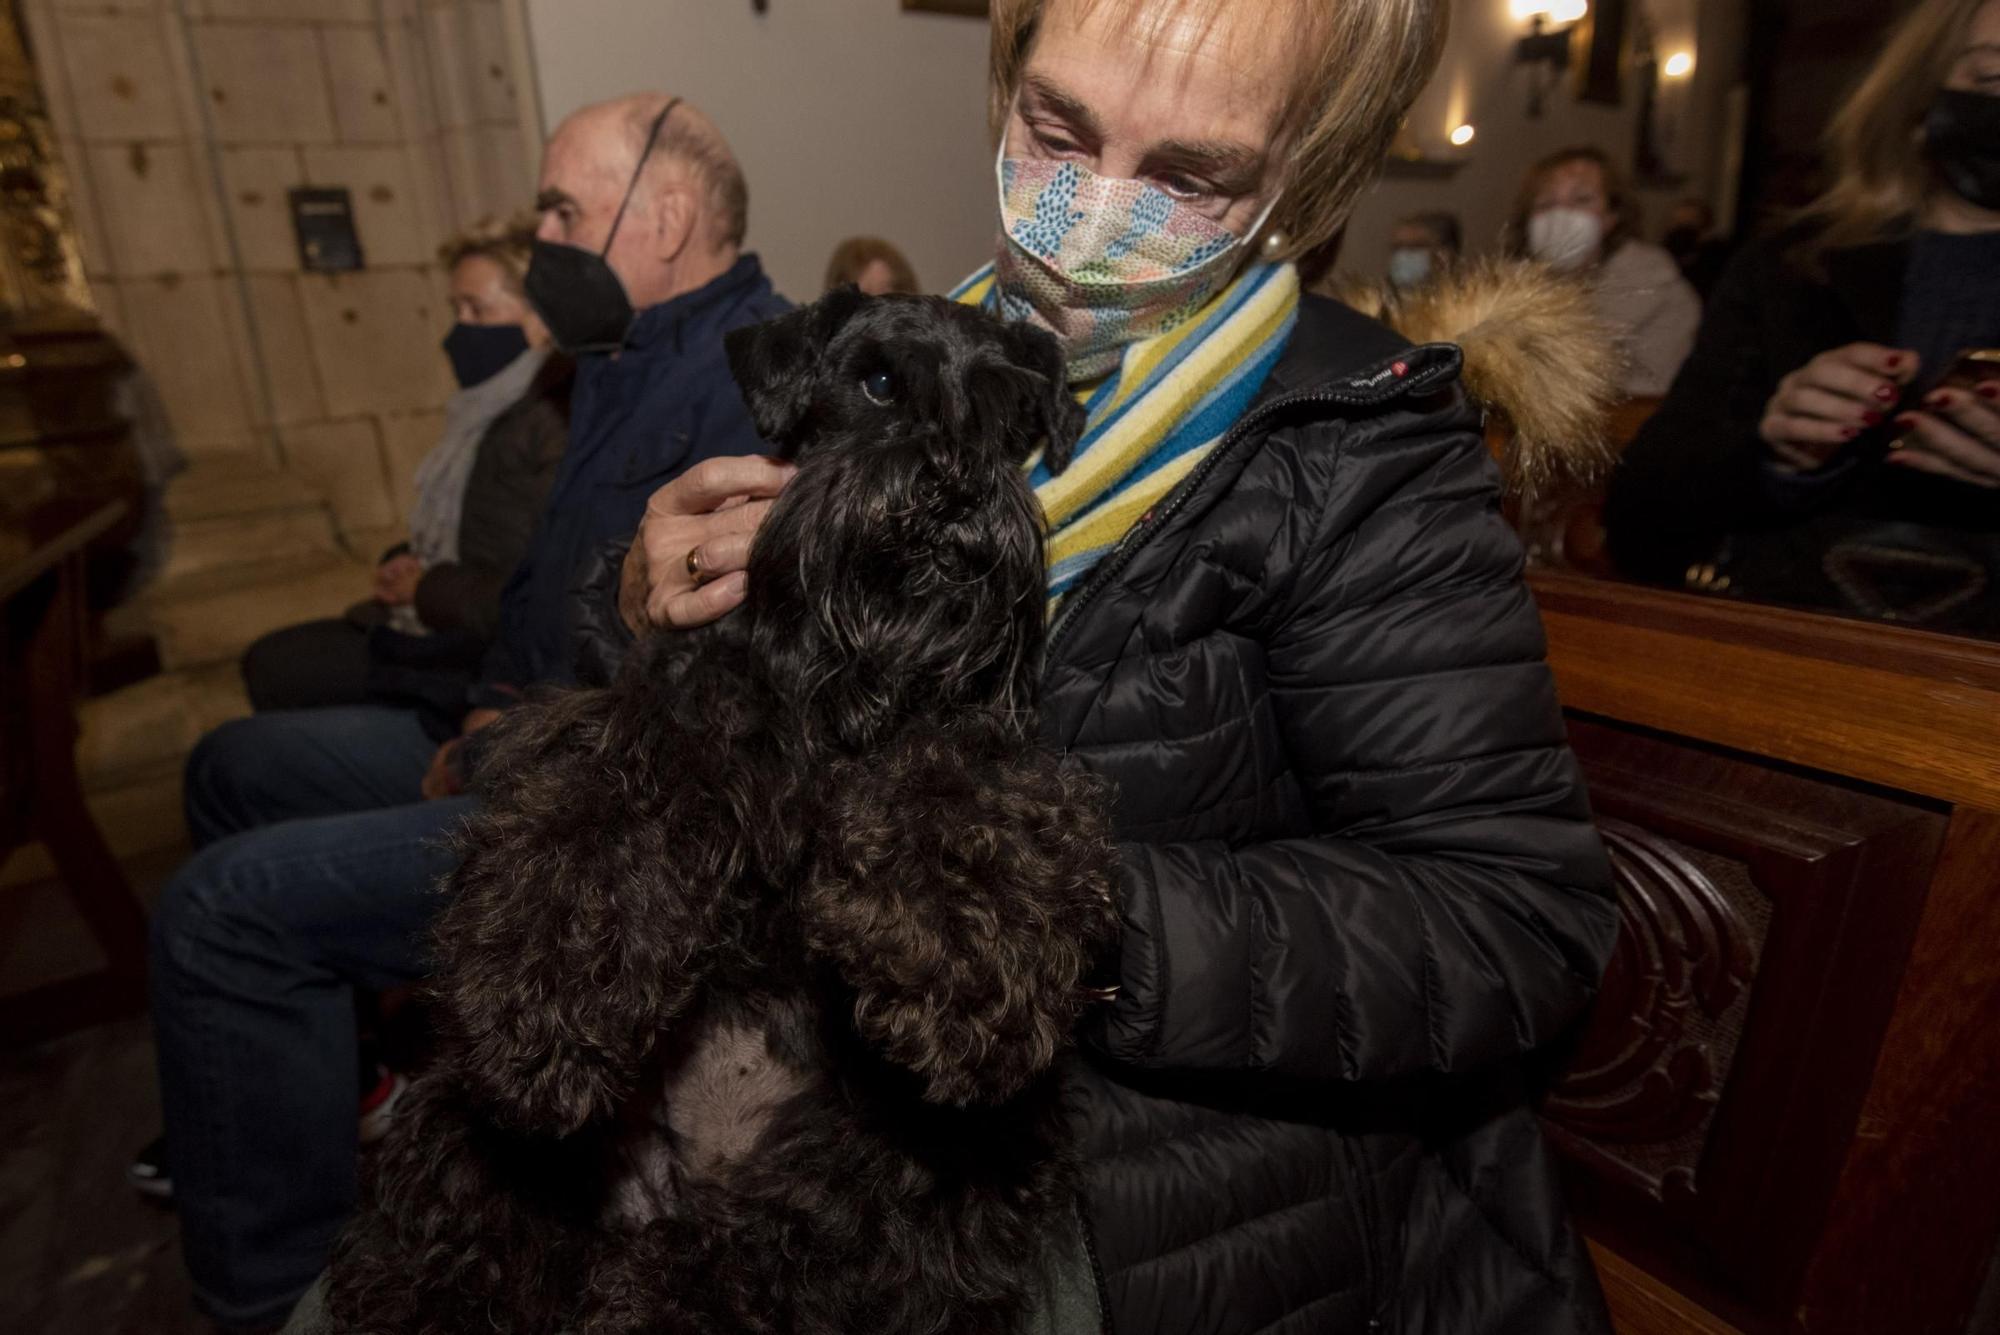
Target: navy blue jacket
637 420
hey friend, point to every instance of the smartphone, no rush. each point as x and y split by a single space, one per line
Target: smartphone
1969 370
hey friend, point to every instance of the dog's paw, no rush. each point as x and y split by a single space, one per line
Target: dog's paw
963 891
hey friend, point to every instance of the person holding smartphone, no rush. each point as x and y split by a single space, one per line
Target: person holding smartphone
1835 438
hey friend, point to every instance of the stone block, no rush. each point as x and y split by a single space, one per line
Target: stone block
387 212
489 64
411 76
286 351
265 83
296 11
156 211
364 108
449 51
406 439
375 339
122 88
243 543
504 170
344 460
216 625
254 186
185 338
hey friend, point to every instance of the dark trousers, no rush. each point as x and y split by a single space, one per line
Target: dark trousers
313 665
315 874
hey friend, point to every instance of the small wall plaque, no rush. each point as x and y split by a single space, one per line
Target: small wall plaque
323 218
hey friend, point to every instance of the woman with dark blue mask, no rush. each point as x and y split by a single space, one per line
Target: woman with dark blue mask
1834 440
435 598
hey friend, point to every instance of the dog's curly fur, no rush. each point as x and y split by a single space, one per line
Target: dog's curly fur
756 963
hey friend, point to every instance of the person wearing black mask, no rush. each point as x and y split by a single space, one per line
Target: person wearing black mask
434 601
322 833
1829 444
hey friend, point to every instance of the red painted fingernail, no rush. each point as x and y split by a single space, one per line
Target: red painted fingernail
1886 393
1938 400
1989 390
1849 433
1893 361
1871 418
1907 421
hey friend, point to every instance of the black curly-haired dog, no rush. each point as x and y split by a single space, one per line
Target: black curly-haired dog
757 962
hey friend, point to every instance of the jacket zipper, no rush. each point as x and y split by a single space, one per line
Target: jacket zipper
1151 523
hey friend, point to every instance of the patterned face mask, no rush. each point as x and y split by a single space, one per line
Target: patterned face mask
1102 262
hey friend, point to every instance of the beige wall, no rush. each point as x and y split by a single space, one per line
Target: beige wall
184 123
1478 83
849 116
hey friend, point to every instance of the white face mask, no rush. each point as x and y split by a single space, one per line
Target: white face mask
1565 239
1409 266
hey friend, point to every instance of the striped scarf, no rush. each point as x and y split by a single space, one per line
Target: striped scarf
1152 420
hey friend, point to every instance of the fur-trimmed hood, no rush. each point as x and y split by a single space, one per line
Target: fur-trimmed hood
1537 357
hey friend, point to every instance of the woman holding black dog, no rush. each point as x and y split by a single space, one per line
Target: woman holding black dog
1360 886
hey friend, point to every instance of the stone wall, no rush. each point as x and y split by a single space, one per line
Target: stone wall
184 123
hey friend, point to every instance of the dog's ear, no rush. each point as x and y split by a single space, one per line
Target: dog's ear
1059 418
776 364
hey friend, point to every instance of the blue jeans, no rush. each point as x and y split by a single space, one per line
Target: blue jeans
316 875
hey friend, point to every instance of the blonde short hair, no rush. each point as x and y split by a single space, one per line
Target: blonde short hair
506 241
1361 64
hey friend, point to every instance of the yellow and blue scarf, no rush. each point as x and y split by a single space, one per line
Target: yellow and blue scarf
1169 402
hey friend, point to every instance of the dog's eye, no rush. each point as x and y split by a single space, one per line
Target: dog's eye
879 386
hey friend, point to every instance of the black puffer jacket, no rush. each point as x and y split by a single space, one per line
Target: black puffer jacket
1361 883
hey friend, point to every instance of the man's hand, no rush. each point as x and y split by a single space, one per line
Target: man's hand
713 511
1957 435
396 580
443 779
1832 399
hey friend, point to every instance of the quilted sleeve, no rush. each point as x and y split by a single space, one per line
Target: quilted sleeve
1453 907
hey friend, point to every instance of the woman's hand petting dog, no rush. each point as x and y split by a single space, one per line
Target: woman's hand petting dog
712 511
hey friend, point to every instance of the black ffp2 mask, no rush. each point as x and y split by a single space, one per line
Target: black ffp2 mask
576 291
1962 133
479 352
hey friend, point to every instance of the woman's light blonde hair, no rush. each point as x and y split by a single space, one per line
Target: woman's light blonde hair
1879 172
506 241
1361 63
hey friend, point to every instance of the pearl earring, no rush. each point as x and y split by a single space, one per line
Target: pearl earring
1274 241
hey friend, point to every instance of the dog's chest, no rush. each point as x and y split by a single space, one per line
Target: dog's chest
716 1091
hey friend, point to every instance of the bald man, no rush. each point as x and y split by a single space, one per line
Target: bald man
321 833
639 270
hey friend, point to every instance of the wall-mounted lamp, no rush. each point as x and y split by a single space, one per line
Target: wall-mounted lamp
1679 65
1545 50
1462 136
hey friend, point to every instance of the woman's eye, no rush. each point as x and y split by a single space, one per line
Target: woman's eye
879 386
1182 187
1055 143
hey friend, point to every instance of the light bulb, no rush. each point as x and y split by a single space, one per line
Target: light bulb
1462 136
1679 65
